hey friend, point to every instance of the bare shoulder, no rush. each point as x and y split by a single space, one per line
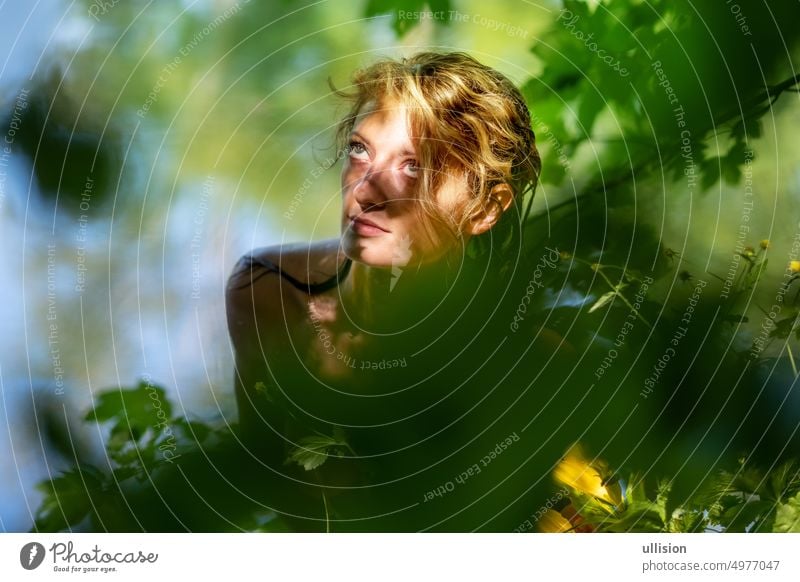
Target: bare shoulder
256 295
313 262
309 262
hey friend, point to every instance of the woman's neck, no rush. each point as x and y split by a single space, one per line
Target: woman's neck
364 291
373 296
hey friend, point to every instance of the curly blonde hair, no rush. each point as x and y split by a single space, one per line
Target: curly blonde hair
467 117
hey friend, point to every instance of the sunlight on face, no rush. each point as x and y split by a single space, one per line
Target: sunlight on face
380 183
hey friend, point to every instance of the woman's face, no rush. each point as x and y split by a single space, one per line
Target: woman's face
380 183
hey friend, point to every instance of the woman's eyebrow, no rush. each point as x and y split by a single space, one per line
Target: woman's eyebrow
405 152
354 133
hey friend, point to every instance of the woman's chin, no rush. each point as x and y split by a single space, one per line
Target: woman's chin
367 252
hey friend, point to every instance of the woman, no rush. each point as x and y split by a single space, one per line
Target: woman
361 353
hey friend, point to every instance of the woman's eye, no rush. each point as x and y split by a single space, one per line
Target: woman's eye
411 168
356 150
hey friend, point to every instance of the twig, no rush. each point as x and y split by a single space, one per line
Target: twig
791 359
327 517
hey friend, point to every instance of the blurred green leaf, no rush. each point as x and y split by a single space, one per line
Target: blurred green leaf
406 13
592 103
67 498
313 451
603 300
137 406
787 516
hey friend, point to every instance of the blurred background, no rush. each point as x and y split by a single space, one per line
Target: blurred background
148 145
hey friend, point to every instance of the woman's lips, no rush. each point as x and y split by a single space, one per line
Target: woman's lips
365 227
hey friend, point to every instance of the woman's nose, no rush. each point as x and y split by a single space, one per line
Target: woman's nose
375 186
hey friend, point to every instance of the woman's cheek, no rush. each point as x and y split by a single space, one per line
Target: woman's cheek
351 175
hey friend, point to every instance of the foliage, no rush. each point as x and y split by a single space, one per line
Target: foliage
140 444
745 500
673 106
642 144
313 451
399 8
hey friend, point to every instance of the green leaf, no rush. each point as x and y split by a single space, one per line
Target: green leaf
783 327
406 13
731 169
440 6
191 431
684 521
68 498
313 451
787 516
604 299
638 517
711 168
551 134
138 406
741 516
592 103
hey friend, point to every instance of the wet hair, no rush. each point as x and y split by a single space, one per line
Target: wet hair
467 118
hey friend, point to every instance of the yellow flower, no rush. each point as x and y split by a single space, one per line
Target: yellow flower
764 244
794 266
577 472
749 252
553 522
